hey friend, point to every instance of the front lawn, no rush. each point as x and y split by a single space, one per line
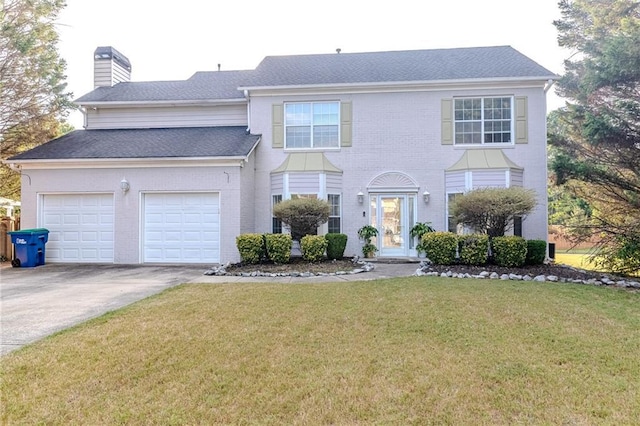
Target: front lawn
416 350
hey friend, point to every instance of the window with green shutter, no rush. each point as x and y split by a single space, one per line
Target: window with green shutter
311 125
484 120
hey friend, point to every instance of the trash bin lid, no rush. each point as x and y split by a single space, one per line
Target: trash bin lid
29 231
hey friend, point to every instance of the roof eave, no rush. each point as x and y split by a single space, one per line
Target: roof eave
163 103
147 162
410 84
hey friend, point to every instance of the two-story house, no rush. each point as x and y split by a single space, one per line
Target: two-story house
173 171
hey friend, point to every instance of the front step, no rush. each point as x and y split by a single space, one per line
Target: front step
407 259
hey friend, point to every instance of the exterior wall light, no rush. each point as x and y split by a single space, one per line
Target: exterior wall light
426 195
360 197
124 185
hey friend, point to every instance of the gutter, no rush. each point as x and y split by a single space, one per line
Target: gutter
407 84
212 102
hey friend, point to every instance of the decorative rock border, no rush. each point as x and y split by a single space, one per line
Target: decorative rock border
360 266
425 270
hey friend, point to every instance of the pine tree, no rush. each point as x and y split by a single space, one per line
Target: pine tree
596 139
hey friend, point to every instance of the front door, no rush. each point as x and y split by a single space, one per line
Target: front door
393 215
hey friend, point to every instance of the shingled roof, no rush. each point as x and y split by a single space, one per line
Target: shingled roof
398 66
474 63
204 85
146 143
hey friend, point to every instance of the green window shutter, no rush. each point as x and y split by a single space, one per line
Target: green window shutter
277 126
522 131
345 123
447 121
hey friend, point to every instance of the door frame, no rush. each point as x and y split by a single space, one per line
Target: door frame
408 216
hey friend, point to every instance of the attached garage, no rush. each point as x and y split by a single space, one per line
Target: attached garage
181 228
80 227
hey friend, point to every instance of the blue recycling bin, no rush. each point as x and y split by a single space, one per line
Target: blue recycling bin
29 246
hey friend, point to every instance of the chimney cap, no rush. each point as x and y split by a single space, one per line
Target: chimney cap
108 52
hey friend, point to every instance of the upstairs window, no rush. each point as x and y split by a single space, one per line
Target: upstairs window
483 120
312 125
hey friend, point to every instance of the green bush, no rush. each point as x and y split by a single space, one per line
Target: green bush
278 247
473 249
440 247
336 244
509 251
302 215
313 247
251 248
536 252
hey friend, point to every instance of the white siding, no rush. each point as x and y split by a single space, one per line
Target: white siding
334 183
277 186
107 73
304 183
489 178
455 181
516 178
163 117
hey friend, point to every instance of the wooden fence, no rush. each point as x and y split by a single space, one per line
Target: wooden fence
7 224
557 235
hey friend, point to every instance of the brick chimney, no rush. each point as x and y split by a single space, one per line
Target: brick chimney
110 67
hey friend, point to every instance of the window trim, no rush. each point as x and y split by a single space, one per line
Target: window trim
273 218
338 125
459 228
483 120
339 216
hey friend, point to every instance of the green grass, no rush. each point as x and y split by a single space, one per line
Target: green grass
578 260
420 350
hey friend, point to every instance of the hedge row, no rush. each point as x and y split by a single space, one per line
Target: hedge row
256 248
447 248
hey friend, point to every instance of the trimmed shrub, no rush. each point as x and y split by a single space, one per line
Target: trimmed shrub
302 215
313 247
473 249
536 252
509 251
278 247
440 247
251 248
336 244
492 210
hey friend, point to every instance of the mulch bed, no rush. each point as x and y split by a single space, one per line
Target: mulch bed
297 264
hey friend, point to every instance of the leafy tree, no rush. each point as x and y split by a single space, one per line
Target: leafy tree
492 210
597 135
33 100
302 215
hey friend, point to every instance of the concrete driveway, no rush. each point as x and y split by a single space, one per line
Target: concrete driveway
37 302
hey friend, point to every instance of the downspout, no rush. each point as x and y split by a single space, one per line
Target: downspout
84 117
548 85
246 95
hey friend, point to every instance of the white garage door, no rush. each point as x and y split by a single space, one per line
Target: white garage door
181 228
80 227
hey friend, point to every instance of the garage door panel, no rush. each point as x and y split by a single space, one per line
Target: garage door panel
80 227
181 228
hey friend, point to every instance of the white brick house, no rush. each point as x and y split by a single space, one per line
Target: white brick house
172 172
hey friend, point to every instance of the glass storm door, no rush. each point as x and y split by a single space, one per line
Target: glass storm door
390 214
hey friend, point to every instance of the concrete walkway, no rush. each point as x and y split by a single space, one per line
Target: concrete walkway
37 302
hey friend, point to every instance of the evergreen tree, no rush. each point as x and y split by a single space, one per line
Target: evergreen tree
597 135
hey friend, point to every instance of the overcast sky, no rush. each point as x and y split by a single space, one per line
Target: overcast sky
170 40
